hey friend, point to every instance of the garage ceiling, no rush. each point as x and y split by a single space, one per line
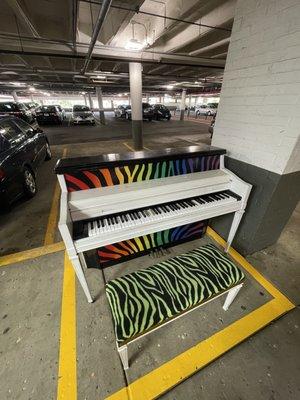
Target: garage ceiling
183 43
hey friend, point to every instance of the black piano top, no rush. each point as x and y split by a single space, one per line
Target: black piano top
67 165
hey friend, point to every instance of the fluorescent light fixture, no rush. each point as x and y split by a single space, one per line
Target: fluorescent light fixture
120 95
170 87
100 77
134 44
31 88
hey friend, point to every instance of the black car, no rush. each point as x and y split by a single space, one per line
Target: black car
19 110
147 112
49 115
22 150
161 112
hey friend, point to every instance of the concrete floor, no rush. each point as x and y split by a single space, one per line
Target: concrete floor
266 366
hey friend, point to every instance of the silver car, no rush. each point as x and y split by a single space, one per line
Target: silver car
206 109
82 115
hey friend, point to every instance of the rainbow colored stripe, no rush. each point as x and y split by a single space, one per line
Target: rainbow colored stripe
143 171
118 252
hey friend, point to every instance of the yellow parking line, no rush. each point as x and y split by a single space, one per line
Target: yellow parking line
53 216
67 370
129 147
30 254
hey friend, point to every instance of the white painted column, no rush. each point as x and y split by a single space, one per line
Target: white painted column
85 100
182 104
135 75
90 101
190 104
258 117
15 96
100 104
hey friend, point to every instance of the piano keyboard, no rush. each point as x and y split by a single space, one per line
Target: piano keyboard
157 213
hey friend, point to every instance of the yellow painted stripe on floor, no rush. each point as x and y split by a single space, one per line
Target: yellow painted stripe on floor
53 216
172 373
67 370
30 254
129 147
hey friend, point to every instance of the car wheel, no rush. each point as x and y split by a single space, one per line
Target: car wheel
48 152
29 183
169 117
150 119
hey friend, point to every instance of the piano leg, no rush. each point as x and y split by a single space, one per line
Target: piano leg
234 226
80 275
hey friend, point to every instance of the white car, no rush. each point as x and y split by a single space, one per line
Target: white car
82 115
206 109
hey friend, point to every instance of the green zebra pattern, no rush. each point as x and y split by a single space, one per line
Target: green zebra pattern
144 299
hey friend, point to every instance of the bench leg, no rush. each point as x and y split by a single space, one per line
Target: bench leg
123 353
231 296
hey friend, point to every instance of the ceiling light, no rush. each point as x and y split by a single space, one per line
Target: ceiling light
170 87
134 44
119 94
31 88
100 77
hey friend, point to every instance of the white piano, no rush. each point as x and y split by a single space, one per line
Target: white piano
115 197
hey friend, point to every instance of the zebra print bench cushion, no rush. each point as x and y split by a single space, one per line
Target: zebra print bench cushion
141 300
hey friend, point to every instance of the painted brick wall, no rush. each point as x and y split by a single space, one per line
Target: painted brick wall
258 119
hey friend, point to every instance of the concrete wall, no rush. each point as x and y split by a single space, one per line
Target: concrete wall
258 119
259 112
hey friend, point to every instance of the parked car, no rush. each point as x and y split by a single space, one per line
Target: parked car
49 115
206 109
120 111
10 108
22 150
62 111
160 111
147 112
31 107
212 126
82 115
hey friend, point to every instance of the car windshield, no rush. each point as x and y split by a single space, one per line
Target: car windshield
81 108
8 107
48 109
213 105
146 105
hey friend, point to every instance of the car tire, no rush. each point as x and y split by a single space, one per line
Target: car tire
169 117
48 152
150 119
29 183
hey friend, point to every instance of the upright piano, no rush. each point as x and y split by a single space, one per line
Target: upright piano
119 206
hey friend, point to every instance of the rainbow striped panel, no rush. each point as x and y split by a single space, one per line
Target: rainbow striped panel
127 249
143 171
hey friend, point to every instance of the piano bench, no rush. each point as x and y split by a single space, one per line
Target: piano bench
147 299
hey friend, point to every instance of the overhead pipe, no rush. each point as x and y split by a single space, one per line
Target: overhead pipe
99 23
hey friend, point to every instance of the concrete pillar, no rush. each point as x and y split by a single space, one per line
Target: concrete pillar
182 105
42 102
15 96
100 104
112 104
147 98
31 98
85 100
190 104
262 141
129 100
90 101
135 75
